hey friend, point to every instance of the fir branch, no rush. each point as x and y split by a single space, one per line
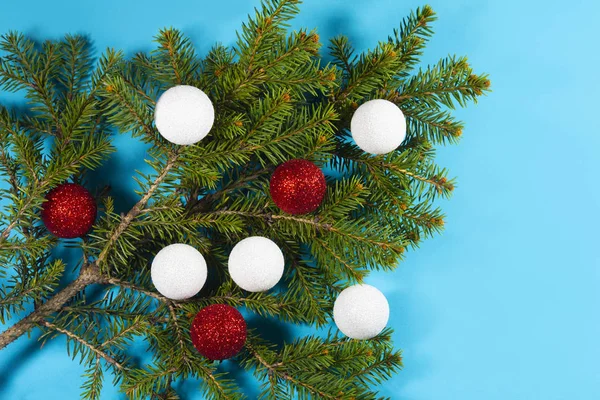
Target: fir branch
8 164
276 372
93 386
128 285
180 336
132 113
32 287
273 14
310 288
314 222
434 125
36 69
137 209
141 383
411 37
135 327
88 275
351 272
450 80
98 351
275 101
342 53
214 384
77 63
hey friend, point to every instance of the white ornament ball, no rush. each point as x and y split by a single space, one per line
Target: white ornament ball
378 126
361 311
256 264
184 115
178 271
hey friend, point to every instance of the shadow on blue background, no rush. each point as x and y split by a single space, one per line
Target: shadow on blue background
503 305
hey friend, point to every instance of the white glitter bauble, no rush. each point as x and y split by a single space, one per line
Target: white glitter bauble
256 264
378 126
178 271
184 115
361 311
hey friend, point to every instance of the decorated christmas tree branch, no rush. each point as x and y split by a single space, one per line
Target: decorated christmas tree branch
239 142
89 273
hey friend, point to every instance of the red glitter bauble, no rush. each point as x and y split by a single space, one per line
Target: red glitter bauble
218 332
69 211
298 186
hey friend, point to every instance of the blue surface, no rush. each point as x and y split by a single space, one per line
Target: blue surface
503 305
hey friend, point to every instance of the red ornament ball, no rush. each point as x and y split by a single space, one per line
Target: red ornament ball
298 186
69 211
218 332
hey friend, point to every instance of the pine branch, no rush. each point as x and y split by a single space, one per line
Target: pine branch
180 337
29 68
136 210
8 164
135 327
32 288
93 386
449 81
293 381
215 385
93 348
274 101
88 275
141 383
412 36
128 285
131 112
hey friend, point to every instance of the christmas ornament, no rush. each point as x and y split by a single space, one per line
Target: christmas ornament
298 186
378 126
218 332
256 264
178 271
184 115
69 211
361 311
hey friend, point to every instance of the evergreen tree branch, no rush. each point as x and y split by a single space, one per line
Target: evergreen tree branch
89 274
133 328
179 334
352 272
55 173
123 96
11 170
90 346
128 285
215 386
141 383
137 208
93 386
275 101
273 370
314 222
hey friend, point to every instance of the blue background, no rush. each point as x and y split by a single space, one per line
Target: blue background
504 304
